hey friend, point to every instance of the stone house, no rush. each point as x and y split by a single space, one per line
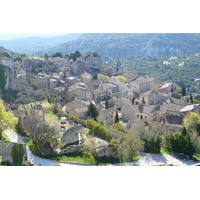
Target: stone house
108 115
168 87
130 76
73 135
124 90
152 97
191 108
119 102
143 84
139 112
80 91
103 90
77 108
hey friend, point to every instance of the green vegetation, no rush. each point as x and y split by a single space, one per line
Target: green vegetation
73 118
75 158
97 129
196 156
7 119
122 79
183 70
75 55
17 154
5 138
101 76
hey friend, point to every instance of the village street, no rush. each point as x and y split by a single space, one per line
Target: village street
146 159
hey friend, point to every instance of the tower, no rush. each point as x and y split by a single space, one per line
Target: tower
118 68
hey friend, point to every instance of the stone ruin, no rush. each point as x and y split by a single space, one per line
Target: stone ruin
37 112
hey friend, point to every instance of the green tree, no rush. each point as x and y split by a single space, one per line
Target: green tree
130 145
183 91
57 54
17 154
75 55
191 122
92 111
7 119
46 56
116 117
107 103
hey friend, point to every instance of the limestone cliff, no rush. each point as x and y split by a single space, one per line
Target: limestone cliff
35 64
89 62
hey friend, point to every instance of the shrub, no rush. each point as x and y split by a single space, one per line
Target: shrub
73 118
122 79
17 154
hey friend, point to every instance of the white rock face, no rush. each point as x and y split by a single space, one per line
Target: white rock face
35 64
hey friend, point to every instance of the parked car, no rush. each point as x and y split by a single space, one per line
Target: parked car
181 156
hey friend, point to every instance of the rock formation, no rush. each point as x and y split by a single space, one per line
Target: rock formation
35 65
89 62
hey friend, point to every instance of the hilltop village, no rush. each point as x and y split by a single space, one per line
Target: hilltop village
73 86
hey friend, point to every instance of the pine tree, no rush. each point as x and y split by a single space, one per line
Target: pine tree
116 117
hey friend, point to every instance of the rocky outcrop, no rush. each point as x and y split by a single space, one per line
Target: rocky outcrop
5 52
89 62
160 51
35 65
72 135
57 63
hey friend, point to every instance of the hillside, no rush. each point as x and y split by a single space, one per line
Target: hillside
112 46
182 69
31 43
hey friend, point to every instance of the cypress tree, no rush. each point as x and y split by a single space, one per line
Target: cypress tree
184 131
191 98
183 91
116 117
107 104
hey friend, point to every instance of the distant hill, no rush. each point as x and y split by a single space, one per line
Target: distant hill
31 43
121 45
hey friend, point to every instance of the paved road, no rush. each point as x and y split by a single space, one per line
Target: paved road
147 159
35 160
